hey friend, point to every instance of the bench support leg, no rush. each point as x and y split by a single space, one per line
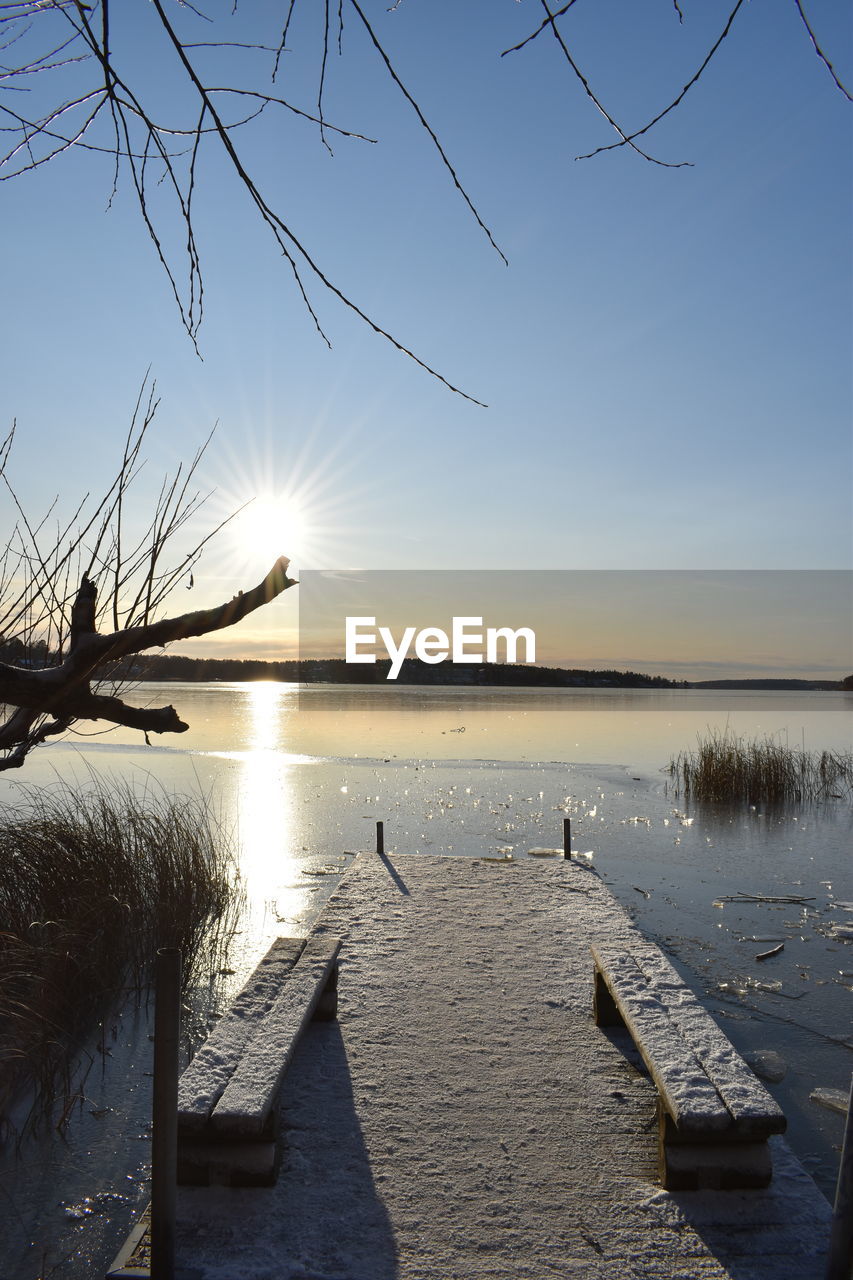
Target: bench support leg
687 1165
604 1007
233 1164
327 1005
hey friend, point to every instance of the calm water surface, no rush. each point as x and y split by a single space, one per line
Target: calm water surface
303 773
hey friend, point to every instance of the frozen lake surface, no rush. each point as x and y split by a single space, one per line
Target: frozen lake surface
303 774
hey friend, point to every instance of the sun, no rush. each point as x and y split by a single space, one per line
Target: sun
306 512
271 525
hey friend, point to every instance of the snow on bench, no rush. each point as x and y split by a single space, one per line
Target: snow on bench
714 1115
203 1083
227 1095
248 1099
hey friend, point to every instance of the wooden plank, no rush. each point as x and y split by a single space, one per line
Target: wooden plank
205 1079
688 1094
250 1094
755 1112
648 986
227 1164
730 1166
133 1260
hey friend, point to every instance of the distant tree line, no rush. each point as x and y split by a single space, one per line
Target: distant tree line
179 668
336 671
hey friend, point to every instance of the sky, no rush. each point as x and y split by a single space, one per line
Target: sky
665 357
679 623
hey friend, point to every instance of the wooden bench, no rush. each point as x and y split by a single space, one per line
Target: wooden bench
227 1096
714 1115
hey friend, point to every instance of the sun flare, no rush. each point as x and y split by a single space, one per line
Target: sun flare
297 501
271 526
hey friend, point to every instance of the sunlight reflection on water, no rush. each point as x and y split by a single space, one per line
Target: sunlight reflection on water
268 841
302 775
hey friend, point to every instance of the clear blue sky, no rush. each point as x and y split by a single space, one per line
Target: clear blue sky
666 359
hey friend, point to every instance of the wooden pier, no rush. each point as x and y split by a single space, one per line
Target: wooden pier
465 1117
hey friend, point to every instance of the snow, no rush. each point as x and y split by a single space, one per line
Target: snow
204 1081
250 1093
748 1101
465 1118
705 1081
691 1099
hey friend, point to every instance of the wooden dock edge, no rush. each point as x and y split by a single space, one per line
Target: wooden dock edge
134 1257
133 1260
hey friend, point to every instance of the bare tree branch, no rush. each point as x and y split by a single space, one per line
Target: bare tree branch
448 166
283 235
99 706
139 142
626 139
93 649
820 53
544 25
678 98
51 650
70 60
62 691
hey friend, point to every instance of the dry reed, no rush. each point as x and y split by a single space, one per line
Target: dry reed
724 767
90 886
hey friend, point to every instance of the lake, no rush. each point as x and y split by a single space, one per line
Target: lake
302 774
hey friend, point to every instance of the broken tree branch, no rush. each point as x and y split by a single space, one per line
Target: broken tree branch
56 689
52 653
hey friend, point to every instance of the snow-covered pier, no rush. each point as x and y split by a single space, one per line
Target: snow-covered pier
465 1117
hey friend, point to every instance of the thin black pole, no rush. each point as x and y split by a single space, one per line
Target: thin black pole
380 838
567 837
164 1139
840 1261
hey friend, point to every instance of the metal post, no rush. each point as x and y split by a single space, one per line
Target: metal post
380 838
567 838
164 1140
840 1261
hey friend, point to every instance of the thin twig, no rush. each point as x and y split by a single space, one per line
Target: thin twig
820 53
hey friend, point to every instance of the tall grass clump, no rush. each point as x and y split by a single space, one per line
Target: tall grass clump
90 886
724 767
